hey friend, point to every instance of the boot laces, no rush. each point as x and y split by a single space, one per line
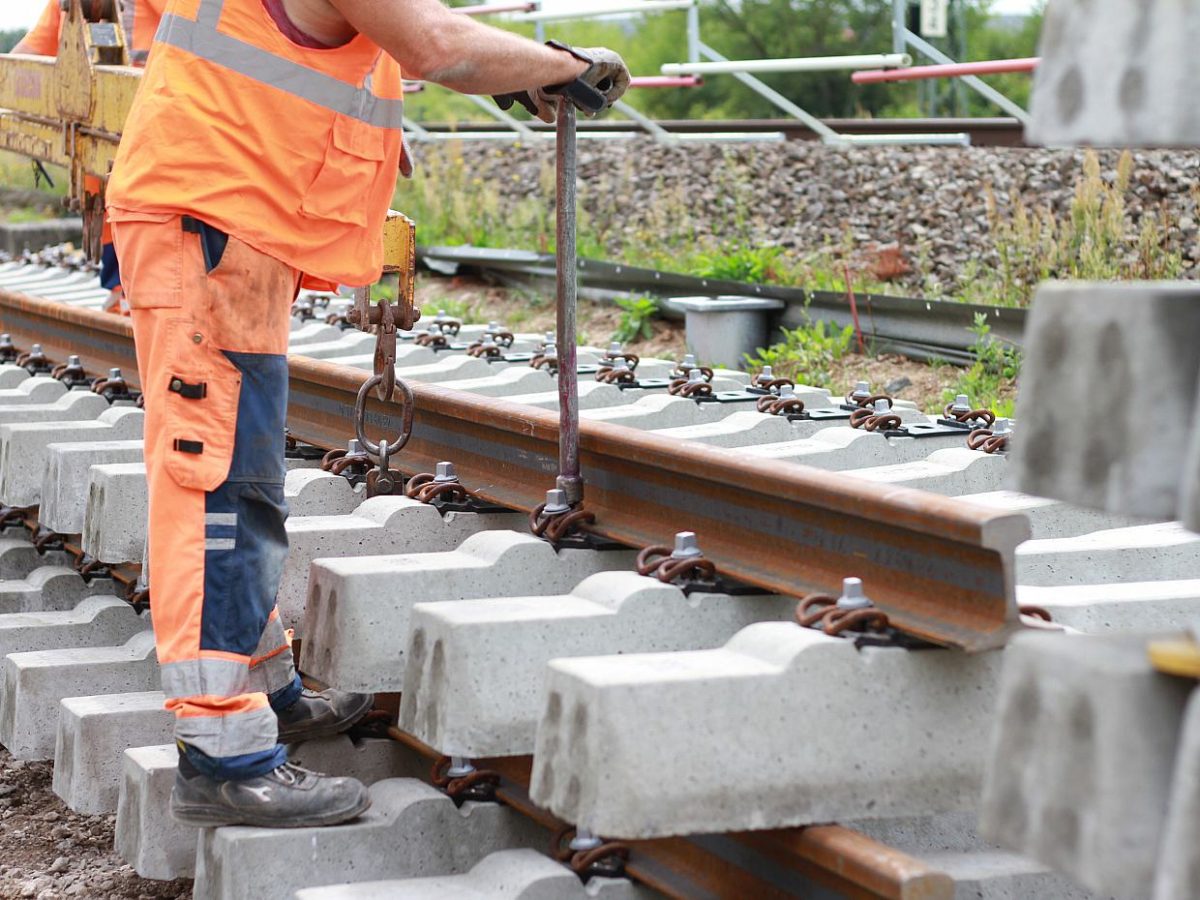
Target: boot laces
291 774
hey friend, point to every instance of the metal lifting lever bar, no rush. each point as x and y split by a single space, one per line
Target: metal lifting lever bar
570 479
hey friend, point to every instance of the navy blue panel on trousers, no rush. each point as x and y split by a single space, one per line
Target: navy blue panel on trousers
245 539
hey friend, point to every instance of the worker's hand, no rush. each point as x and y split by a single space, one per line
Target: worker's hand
606 73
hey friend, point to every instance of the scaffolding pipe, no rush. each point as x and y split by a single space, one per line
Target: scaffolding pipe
608 9
665 81
800 64
953 70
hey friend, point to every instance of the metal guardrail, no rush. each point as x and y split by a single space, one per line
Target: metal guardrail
915 327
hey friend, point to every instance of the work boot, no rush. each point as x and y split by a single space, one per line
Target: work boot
324 714
285 797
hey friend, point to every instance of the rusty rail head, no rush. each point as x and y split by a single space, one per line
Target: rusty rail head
939 568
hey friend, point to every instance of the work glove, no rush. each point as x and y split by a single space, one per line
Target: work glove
600 86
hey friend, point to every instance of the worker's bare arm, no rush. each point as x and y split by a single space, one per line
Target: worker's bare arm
434 44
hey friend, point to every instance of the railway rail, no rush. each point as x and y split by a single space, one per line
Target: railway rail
944 570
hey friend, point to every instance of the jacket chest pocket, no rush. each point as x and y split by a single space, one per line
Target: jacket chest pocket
200 409
353 159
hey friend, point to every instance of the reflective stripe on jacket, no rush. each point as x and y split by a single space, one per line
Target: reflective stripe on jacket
293 150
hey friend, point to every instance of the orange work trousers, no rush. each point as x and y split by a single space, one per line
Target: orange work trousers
211 321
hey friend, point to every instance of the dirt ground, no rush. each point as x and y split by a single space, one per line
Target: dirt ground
48 852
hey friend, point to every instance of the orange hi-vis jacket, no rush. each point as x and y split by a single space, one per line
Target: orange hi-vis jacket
294 151
138 17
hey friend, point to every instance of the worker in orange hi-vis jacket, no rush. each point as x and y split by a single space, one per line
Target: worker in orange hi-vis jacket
139 19
263 147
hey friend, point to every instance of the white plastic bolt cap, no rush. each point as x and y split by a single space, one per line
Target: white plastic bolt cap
615 347
686 546
114 373
695 376
459 767
882 406
556 502
853 596
445 473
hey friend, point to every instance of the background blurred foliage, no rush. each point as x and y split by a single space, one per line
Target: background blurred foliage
771 29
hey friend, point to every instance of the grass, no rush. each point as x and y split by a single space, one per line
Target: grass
455 207
806 354
1093 239
637 319
1093 242
990 381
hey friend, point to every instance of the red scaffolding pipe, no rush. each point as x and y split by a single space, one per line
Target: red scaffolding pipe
950 70
666 81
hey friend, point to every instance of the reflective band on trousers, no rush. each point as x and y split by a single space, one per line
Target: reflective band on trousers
223 736
205 677
201 38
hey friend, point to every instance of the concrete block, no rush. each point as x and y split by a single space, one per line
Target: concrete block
1161 551
311 492
658 409
640 745
48 588
72 406
66 485
357 620
100 621
35 682
1080 761
379 525
23 453
411 830
1116 74
1051 518
1119 605
93 733
1179 856
18 559
837 447
754 430
312 332
157 846
38 389
114 520
1130 341
474 668
12 375
147 835
952 471
346 343
593 395
506 875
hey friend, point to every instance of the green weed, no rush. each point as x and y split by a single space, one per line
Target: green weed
992 375
637 319
806 354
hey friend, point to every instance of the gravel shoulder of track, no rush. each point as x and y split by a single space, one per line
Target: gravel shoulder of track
48 852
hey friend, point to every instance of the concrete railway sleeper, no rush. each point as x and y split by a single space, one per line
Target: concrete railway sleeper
540 684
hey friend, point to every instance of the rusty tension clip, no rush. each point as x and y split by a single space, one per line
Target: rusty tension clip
686 567
385 317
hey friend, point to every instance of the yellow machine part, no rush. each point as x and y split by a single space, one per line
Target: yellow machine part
70 110
1177 656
